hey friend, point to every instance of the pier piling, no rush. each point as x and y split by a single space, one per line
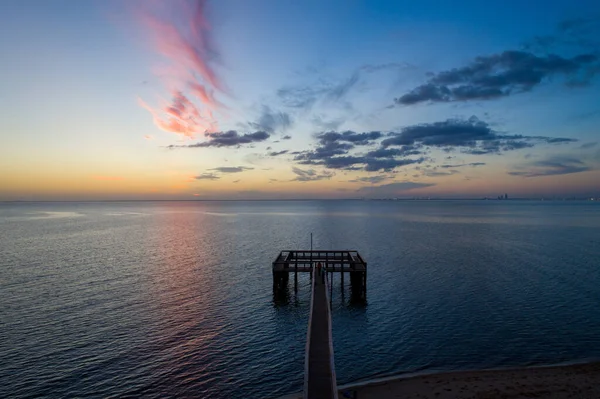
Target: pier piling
331 261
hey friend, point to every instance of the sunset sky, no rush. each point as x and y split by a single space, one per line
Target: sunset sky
269 99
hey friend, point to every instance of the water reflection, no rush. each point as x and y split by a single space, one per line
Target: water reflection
341 292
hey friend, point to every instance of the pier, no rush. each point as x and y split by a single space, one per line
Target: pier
344 262
319 367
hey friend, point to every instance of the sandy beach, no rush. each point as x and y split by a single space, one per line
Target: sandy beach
580 381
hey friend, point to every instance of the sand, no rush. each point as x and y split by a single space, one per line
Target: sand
581 381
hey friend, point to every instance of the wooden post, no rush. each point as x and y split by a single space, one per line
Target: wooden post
330 288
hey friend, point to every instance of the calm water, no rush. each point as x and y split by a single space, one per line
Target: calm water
175 298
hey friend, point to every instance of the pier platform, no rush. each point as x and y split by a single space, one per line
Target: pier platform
331 261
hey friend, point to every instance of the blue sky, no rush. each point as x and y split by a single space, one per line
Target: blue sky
284 99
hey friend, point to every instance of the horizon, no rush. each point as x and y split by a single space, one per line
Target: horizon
226 101
388 199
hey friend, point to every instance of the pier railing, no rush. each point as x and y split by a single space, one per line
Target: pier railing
342 262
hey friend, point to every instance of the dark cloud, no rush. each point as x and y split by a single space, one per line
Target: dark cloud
501 75
332 144
472 135
384 152
272 121
551 167
369 164
391 189
588 145
304 175
452 132
447 166
277 153
335 150
348 136
372 165
231 169
286 137
230 138
207 176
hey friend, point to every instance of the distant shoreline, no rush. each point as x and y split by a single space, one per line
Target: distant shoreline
579 199
570 379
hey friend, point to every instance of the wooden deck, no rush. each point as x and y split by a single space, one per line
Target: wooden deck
331 261
319 370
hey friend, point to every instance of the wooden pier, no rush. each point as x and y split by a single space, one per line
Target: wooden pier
319 369
331 261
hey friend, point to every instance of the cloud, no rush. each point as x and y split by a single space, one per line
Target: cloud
181 116
305 97
372 165
181 34
277 153
501 75
588 145
231 169
369 179
472 135
350 162
550 167
310 175
328 90
348 136
286 137
392 189
230 138
207 176
331 144
395 152
474 164
271 121
370 68
323 124
436 173
570 33
339 150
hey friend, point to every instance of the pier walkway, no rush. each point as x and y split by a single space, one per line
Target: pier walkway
319 369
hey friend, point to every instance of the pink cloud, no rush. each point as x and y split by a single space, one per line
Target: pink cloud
181 33
181 116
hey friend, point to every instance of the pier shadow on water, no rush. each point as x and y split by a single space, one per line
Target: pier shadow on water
296 294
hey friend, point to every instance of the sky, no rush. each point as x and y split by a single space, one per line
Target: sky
283 99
